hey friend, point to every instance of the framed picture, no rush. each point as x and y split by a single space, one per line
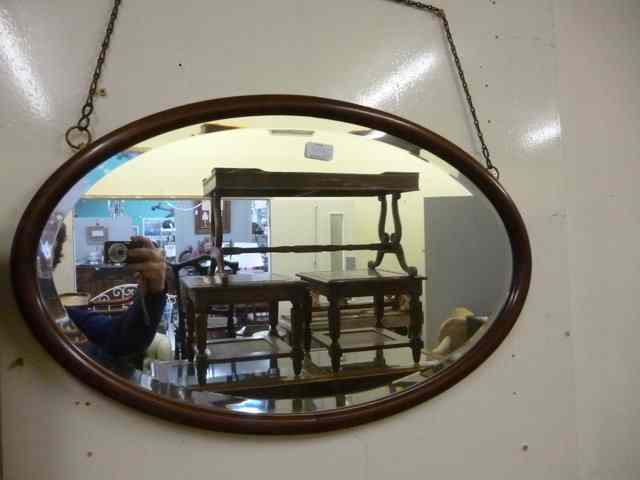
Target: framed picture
204 217
97 235
152 227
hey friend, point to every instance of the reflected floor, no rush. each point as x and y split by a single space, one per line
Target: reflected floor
270 386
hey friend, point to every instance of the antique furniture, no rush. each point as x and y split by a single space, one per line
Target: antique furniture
38 300
199 292
115 299
243 182
200 265
363 283
354 314
226 182
95 279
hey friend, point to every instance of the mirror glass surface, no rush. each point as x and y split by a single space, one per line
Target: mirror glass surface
451 235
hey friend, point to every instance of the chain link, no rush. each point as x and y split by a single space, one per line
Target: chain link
493 170
81 128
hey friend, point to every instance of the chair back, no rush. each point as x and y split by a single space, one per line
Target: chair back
114 299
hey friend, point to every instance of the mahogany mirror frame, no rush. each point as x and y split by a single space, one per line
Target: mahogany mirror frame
33 221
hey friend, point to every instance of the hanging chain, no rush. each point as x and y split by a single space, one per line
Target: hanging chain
493 170
82 127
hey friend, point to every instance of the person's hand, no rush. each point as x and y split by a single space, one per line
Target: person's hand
149 265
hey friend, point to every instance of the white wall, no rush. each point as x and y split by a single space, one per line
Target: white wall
600 78
525 393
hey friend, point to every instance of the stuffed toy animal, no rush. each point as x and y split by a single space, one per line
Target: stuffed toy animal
456 330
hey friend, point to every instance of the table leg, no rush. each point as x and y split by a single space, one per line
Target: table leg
201 358
335 351
296 326
190 319
273 319
379 360
308 307
217 233
378 306
396 237
274 369
231 331
180 333
382 235
415 337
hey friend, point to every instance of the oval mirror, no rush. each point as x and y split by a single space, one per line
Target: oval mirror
305 264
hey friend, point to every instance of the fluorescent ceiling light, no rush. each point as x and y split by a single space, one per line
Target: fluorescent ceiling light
291 131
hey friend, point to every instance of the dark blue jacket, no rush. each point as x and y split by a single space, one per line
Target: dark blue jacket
115 336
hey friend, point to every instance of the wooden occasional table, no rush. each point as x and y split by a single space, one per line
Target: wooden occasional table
247 182
201 291
251 182
364 283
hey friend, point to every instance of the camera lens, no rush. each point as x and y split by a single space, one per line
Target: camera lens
118 252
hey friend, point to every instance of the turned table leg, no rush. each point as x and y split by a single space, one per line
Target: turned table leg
379 360
308 312
273 318
190 320
378 306
202 360
335 351
274 369
218 229
297 317
180 335
231 331
415 338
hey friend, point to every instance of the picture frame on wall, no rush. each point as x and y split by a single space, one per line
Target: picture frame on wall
152 227
97 234
203 216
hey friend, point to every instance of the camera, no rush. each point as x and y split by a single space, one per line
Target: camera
118 252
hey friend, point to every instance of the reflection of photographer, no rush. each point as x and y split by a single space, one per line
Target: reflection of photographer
131 332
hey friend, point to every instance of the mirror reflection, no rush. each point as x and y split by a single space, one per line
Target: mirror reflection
274 264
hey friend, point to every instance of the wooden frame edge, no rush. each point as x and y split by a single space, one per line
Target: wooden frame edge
33 308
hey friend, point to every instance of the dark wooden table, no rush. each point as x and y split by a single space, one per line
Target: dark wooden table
201 291
364 283
251 182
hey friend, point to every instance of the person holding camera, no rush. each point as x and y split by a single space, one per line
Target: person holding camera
129 334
